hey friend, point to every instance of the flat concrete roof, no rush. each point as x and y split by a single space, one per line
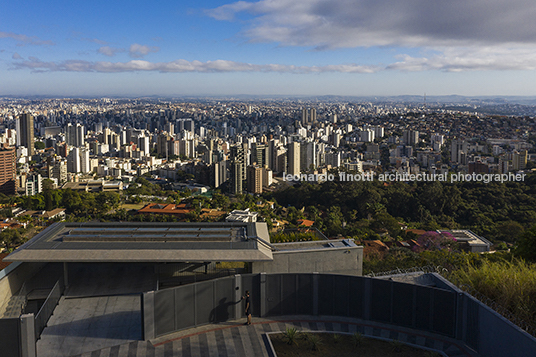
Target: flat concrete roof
314 245
467 236
146 242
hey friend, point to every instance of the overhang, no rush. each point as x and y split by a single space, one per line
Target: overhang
147 242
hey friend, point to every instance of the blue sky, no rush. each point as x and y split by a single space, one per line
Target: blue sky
285 47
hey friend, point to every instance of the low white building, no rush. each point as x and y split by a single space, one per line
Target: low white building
242 216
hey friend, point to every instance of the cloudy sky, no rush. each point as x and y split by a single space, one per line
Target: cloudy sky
286 47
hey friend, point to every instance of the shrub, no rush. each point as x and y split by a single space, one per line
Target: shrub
315 342
511 284
357 339
291 335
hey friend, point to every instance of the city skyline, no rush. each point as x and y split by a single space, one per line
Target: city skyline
277 47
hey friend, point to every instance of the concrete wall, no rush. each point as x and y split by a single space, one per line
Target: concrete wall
12 278
419 307
499 337
348 260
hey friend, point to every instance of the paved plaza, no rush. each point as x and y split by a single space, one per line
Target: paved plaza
231 338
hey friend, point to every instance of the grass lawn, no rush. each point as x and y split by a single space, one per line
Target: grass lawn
334 345
129 206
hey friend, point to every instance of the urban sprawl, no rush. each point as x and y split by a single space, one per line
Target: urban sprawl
255 145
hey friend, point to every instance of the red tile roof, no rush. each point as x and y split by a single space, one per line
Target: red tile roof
3 264
163 208
305 222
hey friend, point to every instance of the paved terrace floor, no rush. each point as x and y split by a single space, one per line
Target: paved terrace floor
233 338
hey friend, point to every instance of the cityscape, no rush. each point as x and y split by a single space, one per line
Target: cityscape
267 177
250 146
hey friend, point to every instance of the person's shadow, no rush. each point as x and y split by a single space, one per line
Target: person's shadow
221 312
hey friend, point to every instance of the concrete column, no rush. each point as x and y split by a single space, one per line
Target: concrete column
66 274
263 294
315 293
460 320
431 315
238 293
366 298
27 335
147 311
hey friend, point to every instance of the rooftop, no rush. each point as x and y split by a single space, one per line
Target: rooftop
163 208
146 242
468 237
314 245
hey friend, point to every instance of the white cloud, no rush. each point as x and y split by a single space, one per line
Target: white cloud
447 60
109 51
95 40
460 59
16 56
136 50
356 23
181 66
228 11
25 40
464 35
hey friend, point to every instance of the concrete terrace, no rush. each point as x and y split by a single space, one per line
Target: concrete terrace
233 338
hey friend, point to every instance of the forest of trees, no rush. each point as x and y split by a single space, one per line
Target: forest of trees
500 212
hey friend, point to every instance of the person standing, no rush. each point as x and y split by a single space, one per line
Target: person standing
248 307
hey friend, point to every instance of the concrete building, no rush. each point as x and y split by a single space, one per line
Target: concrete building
470 240
293 158
519 160
254 179
340 256
34 185
242 216
8 170
25 132
236 177
122 289
308 156
57 170
410 137
308 116
458 150
75 135
73 161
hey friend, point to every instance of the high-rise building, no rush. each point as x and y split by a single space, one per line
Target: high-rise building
85 162
379 131
74 135
308 116
219 173
254 179
458 150
294 158
280 160
73 161
236 169
260 154
236 177
519 160
57 170
34 185
367 135
8 170
267 176
308 151
185 124
25 132
410 137
333 159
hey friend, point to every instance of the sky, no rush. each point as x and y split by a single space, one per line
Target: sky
268 47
